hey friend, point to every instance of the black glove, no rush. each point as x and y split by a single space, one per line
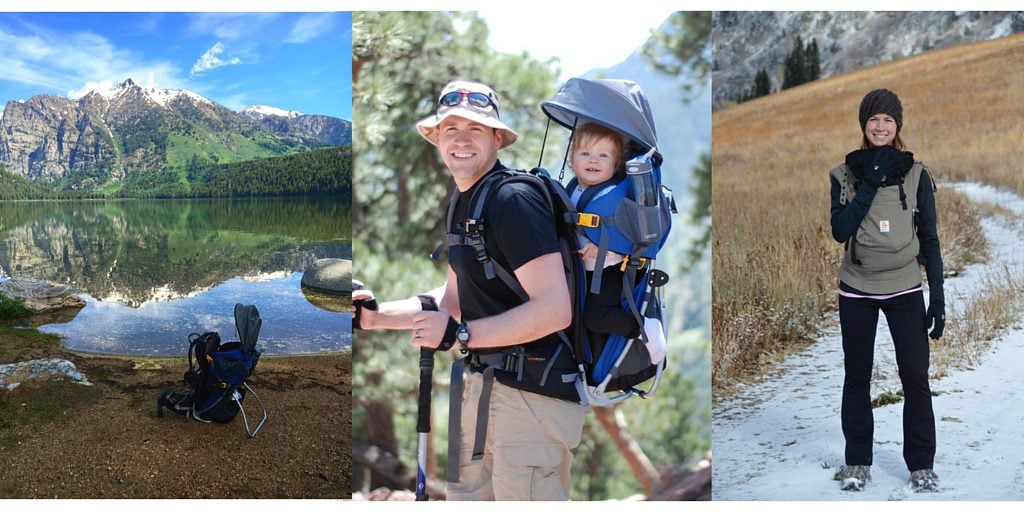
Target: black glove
883 166
936 314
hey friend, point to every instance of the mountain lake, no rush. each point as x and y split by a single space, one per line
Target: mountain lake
153 271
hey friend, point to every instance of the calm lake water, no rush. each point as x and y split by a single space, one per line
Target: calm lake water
153 271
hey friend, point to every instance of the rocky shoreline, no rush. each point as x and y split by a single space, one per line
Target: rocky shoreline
60 439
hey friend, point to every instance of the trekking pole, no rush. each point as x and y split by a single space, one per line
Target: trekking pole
423 413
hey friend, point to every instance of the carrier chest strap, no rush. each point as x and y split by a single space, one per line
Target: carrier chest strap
491 268
590 220
473 230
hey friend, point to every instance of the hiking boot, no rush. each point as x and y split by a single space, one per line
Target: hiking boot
853 478
924 480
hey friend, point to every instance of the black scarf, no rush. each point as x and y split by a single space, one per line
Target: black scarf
856 160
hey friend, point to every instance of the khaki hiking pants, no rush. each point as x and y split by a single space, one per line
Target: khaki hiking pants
527 452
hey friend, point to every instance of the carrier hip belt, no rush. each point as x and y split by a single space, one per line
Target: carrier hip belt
511 360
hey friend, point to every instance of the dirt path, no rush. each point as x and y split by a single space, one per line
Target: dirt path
62 440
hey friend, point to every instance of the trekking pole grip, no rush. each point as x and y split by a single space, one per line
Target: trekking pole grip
426 374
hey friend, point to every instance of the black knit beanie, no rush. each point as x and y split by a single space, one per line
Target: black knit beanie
881 101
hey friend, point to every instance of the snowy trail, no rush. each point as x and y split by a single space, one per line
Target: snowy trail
780 438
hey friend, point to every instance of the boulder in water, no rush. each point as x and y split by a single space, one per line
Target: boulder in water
41 295
332 275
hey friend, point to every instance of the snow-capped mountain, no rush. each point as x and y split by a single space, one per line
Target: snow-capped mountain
261 111
129 128
160 97
289 123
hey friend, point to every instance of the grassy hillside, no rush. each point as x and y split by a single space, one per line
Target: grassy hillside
775 264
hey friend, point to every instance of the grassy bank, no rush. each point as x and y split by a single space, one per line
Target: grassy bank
775 264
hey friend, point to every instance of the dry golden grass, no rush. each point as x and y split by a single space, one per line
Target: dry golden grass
774 261
971 327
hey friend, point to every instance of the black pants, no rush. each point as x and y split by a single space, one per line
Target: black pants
859 321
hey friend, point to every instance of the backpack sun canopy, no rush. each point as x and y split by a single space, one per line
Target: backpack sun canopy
616 104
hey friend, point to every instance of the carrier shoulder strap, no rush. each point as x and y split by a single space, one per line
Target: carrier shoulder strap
562 211
848 184
474 226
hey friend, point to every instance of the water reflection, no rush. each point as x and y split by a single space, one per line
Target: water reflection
156 270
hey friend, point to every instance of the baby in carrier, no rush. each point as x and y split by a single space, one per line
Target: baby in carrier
598 162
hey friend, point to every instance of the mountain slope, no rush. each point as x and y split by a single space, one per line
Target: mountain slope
745 42
323 129
99 139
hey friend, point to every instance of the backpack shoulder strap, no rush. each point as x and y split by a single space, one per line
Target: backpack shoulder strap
474 226
847 183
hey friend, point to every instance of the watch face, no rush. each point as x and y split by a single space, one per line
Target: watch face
463 333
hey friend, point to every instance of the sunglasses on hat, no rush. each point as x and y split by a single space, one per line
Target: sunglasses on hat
474 99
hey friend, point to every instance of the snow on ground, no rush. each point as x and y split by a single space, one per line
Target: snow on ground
780 438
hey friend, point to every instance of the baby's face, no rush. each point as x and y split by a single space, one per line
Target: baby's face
595 163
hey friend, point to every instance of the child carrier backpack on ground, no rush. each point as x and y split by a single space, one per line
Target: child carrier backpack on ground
217 373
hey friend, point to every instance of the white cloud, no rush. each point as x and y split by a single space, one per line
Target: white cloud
581 39
310 26
91 86
210 60
230 26
74 62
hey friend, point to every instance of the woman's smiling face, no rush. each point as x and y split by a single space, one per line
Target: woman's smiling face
880 129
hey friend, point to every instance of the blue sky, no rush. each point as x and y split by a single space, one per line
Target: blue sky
293 61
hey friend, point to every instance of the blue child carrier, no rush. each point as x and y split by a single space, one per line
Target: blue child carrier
217 374
620 216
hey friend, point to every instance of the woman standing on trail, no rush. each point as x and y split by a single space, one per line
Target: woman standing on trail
883 209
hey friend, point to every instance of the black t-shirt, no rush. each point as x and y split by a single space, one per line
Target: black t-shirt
518 227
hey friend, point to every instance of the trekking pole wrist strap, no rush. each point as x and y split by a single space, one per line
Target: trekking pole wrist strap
370 304
449 335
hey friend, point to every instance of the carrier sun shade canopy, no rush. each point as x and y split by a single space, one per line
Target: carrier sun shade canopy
616 104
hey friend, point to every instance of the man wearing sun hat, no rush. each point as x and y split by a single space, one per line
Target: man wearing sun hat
519 446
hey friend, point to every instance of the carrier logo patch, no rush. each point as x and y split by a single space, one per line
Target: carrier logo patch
883 226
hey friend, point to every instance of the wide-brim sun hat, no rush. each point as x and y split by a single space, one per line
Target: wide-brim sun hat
487 115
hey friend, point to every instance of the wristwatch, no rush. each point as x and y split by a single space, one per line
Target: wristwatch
462 335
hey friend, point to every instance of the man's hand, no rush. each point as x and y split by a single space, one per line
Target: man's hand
364 309
431 328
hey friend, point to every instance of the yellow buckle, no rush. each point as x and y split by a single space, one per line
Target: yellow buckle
625 263
589 220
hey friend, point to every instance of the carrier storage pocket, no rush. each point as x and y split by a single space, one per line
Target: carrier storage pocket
642 225
887 236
